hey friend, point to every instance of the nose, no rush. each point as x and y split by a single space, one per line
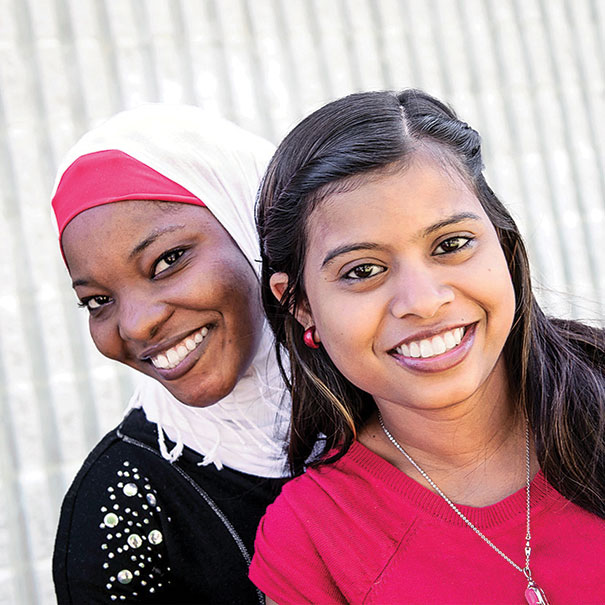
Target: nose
420 291
141 317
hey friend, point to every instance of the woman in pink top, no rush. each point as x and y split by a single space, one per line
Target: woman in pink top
463 454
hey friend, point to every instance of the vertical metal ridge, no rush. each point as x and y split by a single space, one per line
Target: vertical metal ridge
147 51
595 123
108 48
184 48
227 92
590 249
598 19
259 86
472 64
290 71
354 67
411 48
537 121
12 494
311 9
444 75
511 123
33 328
71 62
378 25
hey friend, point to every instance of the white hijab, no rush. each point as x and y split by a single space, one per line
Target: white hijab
222 165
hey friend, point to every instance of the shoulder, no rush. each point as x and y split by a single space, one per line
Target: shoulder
323 513
316 494
111 527
135 527
339 483
108 469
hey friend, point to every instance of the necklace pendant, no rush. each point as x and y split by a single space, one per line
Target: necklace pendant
534 595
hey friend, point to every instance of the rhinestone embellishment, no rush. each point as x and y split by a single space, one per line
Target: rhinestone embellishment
130 489
111 520
132 541
125 576
135 541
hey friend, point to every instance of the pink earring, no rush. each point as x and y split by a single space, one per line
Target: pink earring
309 338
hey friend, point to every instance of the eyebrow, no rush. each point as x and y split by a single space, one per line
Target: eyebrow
330 256
79 282
152 237
455 218
452 220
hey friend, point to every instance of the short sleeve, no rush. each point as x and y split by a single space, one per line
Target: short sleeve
286 565
110 543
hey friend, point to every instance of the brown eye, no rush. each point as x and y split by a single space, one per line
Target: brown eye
167 260
364 271
95 302
452 244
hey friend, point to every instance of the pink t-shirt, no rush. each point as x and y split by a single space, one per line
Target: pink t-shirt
361 531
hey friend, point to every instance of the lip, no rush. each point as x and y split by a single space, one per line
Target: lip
442 362
185 365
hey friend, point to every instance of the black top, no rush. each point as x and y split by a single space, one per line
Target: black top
135 528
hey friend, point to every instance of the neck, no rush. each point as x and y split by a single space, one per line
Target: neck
473 450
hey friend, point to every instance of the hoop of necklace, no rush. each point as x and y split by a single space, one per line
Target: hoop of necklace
534 595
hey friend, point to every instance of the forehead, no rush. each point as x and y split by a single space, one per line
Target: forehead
115 229
409 199
130 217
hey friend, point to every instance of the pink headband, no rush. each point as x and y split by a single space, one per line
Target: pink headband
110 176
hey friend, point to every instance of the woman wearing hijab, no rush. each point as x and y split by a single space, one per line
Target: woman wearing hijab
154 210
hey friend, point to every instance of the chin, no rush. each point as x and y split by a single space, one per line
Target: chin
198 403
204 397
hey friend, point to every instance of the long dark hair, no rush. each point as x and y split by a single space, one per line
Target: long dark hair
556 367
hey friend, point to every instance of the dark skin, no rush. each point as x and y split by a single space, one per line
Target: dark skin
162 277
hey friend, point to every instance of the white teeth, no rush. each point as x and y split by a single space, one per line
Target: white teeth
173 356
438 345
450 340
426 350
161 361
435 346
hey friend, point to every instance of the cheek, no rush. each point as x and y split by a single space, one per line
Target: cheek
241 291
509 305
106 340
501 295
347 327
238 292
246 319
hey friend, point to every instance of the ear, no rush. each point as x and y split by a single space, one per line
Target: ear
278 283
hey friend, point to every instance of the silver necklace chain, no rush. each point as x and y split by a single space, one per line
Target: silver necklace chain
524 570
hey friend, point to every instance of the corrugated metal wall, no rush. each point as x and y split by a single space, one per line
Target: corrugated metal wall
529 74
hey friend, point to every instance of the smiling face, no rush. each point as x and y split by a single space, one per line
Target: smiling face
409 289
169 294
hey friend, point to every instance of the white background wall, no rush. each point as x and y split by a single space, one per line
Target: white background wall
529 74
